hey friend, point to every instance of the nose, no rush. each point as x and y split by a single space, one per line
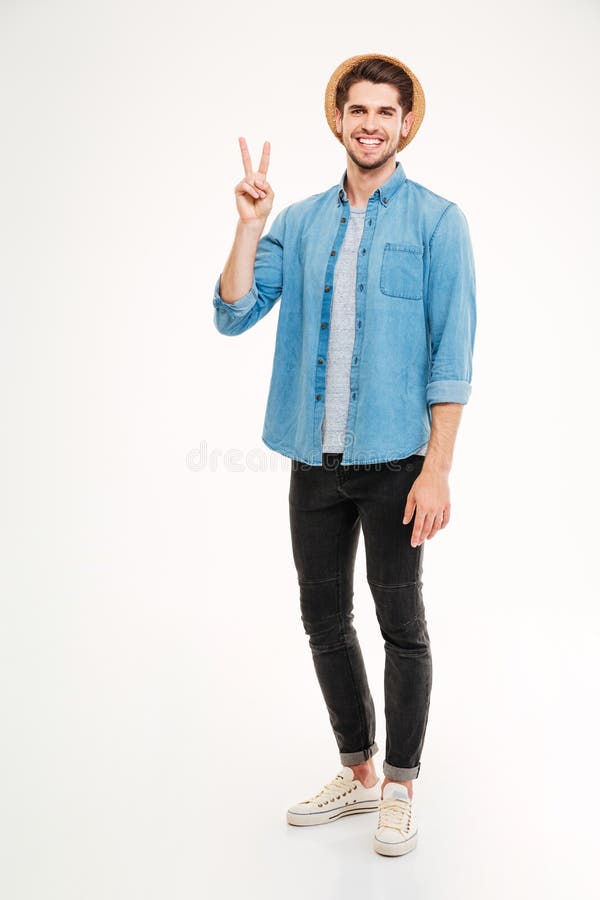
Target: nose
370 123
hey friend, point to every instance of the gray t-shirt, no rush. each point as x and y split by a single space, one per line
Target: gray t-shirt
341 338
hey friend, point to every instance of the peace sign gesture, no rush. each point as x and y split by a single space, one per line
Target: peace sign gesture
253 195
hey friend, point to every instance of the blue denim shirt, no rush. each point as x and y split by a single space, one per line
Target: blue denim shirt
414 327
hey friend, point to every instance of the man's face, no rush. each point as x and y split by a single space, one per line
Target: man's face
372 111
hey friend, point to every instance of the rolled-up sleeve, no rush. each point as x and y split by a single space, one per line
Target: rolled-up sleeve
267 285
238 307
451 309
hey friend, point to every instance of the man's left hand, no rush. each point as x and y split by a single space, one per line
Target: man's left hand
430 497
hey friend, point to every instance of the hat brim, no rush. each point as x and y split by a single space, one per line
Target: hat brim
418 94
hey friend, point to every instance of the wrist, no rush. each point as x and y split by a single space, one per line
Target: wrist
436 466
252 226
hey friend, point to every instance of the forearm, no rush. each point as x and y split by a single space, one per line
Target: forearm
445 419
238 273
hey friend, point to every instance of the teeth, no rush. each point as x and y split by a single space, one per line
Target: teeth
369 142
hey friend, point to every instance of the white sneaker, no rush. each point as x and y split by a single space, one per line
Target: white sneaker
396 829
344 796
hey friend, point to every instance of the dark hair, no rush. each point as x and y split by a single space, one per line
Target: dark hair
377 71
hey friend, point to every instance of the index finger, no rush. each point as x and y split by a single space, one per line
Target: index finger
264 160
416 535
245 156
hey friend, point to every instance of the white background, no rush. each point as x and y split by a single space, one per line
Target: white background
159 706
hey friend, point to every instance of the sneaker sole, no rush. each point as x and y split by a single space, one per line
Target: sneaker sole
398 849
363 806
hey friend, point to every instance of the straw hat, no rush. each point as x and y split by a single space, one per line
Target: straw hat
418 94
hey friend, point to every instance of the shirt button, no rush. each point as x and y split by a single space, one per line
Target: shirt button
359 324
385 199
320 361
332 253
370 221
327 289
343 219
354 396
363 251
362 287
323 324
318 396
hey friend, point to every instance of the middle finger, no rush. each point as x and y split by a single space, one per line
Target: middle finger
245 157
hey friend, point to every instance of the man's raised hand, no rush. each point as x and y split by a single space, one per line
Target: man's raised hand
253 195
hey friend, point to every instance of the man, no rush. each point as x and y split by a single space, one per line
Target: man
372 366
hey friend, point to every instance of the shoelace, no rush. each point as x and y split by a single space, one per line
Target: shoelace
394 812
333 790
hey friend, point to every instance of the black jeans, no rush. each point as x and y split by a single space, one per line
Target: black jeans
328 504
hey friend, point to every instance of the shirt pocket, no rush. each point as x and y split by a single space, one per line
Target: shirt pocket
402 271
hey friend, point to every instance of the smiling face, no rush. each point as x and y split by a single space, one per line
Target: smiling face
372 123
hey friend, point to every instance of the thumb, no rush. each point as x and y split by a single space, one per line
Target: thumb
409 510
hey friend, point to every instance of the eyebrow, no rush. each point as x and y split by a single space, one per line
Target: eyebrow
362 106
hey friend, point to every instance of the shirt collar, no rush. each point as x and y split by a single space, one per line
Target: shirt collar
383 193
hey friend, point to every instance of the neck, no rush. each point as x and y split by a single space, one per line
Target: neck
360 183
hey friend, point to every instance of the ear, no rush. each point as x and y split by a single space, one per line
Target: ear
407 123
338 121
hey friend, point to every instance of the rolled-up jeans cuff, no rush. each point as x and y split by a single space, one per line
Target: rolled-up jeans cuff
359 756
394 773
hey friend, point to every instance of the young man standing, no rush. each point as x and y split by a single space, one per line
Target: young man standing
372 366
